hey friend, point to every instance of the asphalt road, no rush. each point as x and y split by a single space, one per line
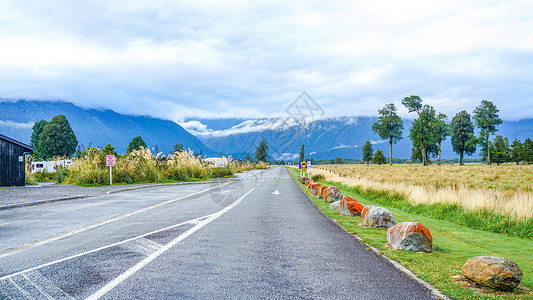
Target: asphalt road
258 237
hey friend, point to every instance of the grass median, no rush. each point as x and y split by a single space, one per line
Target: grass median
453 246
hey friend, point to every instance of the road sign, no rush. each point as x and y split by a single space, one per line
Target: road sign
109 160
303 164
304 170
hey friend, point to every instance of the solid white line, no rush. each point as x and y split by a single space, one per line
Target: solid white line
113 283
71 232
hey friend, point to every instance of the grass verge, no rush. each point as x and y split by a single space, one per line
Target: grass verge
453 246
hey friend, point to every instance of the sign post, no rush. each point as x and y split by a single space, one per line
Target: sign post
303 167
110 162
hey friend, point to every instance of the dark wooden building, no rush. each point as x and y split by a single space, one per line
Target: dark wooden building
12 156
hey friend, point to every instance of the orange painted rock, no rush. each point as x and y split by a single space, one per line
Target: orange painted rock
411 236
331 194
350 207
375 216
494 272
314 187
308 183
303 180
320 191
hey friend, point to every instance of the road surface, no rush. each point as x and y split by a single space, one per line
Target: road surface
257 237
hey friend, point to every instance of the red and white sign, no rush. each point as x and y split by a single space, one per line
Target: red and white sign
110 160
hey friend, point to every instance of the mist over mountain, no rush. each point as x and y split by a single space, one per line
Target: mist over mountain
96 128
323 139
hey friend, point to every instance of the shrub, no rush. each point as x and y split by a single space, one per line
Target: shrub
318 177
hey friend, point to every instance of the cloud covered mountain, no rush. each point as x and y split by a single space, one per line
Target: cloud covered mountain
96 127
323 139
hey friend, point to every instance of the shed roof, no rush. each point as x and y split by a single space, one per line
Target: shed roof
28 147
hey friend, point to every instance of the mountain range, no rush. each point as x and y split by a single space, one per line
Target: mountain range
96 128
324 138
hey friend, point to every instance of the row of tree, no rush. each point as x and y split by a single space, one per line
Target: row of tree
430 129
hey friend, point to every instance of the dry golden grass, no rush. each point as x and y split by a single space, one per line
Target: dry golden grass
506 189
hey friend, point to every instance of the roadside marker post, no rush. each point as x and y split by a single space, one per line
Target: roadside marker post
110 162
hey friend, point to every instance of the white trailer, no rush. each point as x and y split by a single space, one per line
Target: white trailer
49 166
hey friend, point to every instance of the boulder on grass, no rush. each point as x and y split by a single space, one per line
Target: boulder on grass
314 187
350 207
303 180
375 216
320 191
411 236
494 272
308 183
335 205
332 194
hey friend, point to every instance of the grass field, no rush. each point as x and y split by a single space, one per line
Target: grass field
453 246
505 189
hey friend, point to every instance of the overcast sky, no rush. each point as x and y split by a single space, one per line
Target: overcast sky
176 59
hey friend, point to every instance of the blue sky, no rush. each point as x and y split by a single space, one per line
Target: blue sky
212 59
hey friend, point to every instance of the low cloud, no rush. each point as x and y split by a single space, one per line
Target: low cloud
28 125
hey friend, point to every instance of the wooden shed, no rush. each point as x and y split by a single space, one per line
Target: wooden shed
12 156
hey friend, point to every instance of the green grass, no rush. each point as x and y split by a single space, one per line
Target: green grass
453 246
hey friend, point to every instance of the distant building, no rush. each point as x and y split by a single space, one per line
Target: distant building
217 162
12 157
49 166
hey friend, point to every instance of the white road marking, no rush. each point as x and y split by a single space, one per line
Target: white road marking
71 232
113 283
276 192
102 248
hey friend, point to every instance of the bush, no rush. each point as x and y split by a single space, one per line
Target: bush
221 172
318 177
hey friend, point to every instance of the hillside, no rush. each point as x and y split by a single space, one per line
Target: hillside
323 139
96 128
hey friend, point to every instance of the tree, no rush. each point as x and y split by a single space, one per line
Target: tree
423 131
136 144
442 130
109 150
302 153
36 134
517 154
527 151
389 125
416 155
501 151
462 135
413 103
487 118
248 158
379 158
261 152
57 138
177 147
339 161
367 152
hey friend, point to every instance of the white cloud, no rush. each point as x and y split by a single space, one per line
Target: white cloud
251 59
16 124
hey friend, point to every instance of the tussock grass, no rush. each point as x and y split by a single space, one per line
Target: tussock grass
464 186
453 245
142 166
